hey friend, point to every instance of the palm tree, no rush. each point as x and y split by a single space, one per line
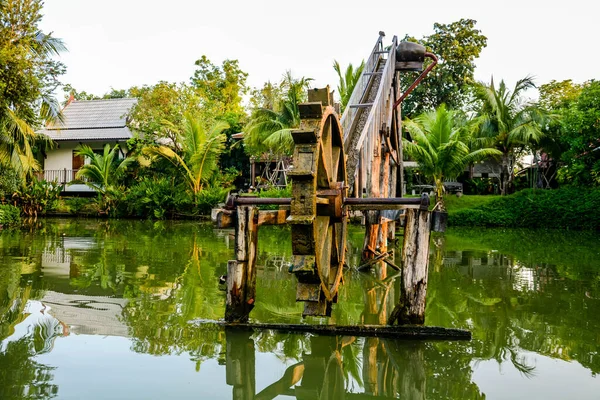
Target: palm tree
103 170
20 115
200 149
505 123
439 145
348 81
269 130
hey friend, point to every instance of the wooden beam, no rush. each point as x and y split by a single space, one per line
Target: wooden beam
384 331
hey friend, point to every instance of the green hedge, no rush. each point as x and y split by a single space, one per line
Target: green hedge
9 215
566 208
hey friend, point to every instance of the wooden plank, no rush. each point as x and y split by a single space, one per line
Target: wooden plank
273 217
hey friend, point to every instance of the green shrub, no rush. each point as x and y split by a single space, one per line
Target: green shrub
9 216
566 208
154 197
37 197
209 197
10 182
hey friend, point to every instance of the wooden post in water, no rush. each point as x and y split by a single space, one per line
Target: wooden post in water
415 265
241 272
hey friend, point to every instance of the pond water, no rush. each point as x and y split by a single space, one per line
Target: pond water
114 309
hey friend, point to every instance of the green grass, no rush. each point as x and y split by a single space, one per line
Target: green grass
454 203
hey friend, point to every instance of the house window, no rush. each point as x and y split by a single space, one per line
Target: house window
485 175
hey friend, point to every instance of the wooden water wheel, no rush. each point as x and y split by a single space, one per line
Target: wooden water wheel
318 216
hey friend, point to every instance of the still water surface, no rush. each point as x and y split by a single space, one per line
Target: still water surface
112 310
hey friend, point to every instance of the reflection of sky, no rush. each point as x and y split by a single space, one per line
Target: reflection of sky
39 315
86 363
552 379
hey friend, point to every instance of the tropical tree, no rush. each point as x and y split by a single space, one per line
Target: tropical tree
269 129
506 123
439 145
457 45
103 170
200 151
348 81
27 79
580 136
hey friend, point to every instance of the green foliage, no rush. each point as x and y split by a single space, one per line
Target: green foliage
156 198
9 215
268 130
567 208
27 79
220 87
457 46
556 95
581 135
160 110
10 182
103 170
37 197
348 81
439 145
201 150
78 205
209 197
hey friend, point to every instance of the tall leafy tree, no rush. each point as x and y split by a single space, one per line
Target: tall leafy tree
161 109
508 124
348 80
220 87
457 45
200 151
28 76
269 130
581 136
440 146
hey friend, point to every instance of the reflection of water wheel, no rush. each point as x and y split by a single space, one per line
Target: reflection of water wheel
318 217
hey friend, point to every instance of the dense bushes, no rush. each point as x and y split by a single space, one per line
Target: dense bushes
9 216
567 208
37 197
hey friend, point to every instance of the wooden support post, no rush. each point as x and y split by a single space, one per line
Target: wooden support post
415 265
241 273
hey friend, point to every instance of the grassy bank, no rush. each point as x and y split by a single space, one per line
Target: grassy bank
565 208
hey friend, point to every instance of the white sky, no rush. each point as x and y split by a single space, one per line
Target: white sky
121 43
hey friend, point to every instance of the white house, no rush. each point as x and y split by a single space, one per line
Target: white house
91 122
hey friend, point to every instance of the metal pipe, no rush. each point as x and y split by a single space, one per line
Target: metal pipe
419 79
423 201
262 201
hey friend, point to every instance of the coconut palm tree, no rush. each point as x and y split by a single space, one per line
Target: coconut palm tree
507 124
439 145
348 81
269 130
103 170
200 150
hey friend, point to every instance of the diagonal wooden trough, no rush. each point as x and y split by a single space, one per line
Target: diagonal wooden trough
318 214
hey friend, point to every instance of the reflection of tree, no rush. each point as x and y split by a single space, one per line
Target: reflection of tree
517 294
22 377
